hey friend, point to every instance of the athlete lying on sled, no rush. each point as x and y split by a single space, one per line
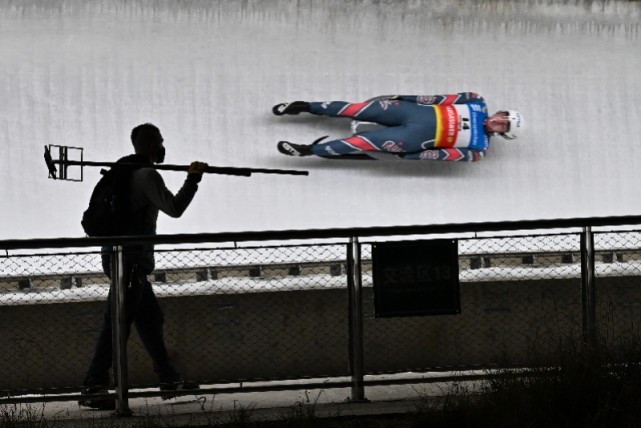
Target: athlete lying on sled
452 127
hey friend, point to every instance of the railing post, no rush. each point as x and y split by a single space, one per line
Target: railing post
588 290
355 316
119 328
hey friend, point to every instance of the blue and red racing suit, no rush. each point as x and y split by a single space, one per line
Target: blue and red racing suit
432 127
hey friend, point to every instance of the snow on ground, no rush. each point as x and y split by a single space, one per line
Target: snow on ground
87 262
244 285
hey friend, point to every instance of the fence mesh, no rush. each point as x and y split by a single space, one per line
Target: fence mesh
520 296
281 312
618 291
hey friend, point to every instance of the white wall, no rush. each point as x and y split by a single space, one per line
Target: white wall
83 73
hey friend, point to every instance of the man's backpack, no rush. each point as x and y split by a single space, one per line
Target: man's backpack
109 212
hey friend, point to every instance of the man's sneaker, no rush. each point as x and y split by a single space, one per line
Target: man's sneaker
179 385
96 403
291 149
295 107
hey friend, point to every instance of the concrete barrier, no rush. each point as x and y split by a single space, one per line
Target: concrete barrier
301 333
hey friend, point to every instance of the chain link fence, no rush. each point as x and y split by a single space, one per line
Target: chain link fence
520 298
235 314
618 292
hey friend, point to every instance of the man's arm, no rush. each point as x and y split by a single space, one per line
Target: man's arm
156 191
446 99
449 155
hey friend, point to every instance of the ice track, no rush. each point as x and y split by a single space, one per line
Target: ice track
83 73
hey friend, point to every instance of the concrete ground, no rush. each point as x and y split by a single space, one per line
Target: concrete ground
208 408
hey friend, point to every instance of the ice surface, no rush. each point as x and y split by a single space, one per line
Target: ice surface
84 72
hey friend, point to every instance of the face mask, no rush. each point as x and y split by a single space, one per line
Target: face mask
160 155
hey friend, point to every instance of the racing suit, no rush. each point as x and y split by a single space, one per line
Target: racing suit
433 127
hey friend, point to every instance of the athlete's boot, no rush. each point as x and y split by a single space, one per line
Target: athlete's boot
295 107
291 149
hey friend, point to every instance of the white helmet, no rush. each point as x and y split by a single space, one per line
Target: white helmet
516 125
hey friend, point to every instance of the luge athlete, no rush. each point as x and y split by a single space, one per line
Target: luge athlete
453 127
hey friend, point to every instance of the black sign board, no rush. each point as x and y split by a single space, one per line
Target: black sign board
416 278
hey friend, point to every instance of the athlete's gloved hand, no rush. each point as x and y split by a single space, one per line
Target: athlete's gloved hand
196 170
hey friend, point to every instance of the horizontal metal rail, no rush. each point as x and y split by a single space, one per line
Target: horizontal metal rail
346 233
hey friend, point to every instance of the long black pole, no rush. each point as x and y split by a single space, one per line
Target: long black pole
227 170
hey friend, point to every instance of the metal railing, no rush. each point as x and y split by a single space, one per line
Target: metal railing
300 269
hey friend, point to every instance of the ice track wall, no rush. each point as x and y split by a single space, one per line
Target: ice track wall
83 73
